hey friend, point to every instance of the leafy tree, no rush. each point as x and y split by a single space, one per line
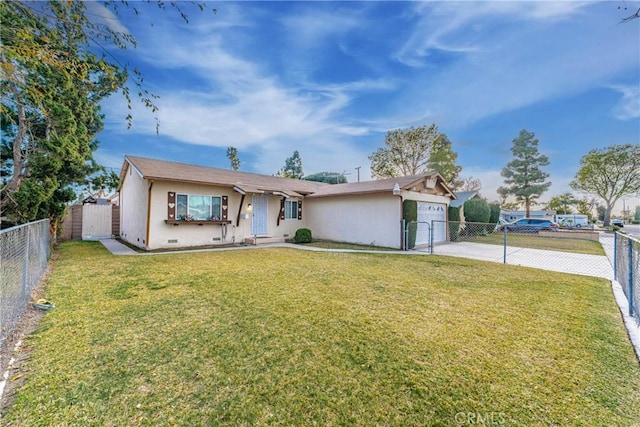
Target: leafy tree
609 173
631 17
51 116
106 181
292 167
477 210
562 203
523 176
232 155
327 177
411 151
585 206
601 210
469 184
443 160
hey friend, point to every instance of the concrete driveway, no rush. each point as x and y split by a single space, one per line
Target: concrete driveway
564 262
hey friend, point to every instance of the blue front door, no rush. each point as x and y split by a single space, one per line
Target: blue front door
260 215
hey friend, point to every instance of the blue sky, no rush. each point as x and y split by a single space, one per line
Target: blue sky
330 79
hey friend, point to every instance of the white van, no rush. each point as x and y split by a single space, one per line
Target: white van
572 220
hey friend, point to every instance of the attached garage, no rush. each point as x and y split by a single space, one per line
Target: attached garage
371 212
434 215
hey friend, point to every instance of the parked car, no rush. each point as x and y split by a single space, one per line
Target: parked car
531 225
618 222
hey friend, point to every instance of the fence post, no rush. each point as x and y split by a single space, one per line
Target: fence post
615 255
630 284
504 246
25 266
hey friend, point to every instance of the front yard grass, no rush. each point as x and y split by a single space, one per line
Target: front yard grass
286 337
329 244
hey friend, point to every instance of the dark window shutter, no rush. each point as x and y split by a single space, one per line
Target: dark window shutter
299 209
225 207
171 205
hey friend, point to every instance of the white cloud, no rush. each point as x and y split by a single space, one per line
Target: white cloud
629 106
309 28
254 86
104 16
457 27
510 66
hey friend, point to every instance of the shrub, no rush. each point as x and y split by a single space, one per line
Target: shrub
410 215
303 235
454 223
494 216
477 210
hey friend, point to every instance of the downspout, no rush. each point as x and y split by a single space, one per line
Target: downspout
148 213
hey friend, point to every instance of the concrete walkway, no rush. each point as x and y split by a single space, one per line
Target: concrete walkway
117 248
564 262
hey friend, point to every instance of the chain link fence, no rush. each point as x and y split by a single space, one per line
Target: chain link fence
627 270
571 251
24 253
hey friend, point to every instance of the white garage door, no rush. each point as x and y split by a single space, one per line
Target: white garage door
428 212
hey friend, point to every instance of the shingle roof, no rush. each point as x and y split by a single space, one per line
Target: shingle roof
162 170
376 186
462 197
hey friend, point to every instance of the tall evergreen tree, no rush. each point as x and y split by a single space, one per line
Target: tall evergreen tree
292 167
523 175
232 155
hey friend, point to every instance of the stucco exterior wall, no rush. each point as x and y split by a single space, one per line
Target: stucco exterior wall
363 219
163 235
133 208
369 219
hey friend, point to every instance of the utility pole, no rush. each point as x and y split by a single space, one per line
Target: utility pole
358 169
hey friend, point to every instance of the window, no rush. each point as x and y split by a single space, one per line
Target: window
196 207
290 209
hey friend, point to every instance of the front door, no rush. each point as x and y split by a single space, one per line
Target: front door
260 215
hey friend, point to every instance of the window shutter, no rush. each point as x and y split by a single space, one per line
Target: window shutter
225 207
171 205
299 209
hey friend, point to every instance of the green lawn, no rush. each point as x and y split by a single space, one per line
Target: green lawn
289 337
329 244
533 241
